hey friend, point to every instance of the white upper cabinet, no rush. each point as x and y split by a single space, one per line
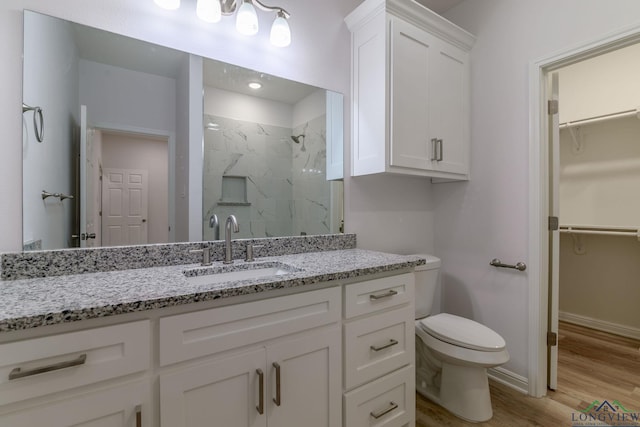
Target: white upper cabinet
410 91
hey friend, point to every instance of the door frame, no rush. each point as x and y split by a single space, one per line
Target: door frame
539 192
171 141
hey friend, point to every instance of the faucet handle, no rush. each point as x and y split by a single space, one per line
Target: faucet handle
250 248
206 255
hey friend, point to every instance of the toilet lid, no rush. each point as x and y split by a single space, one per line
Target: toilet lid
462 332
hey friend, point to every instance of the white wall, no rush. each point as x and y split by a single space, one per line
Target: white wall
234 105
122 97
52 51
488 216
602 85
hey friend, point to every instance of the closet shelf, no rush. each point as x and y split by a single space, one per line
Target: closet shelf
604 230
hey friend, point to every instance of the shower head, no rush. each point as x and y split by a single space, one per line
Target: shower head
296 139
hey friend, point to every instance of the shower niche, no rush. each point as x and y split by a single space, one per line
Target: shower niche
234 191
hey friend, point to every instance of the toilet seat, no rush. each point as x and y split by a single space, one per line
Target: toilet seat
462 332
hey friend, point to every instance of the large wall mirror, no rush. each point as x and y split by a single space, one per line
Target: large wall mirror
108 144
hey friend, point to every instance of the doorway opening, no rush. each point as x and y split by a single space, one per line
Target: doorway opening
547 193
131 188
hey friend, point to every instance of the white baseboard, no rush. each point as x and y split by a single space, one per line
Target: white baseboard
600 325
510 379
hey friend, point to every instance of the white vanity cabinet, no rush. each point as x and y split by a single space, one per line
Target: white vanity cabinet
272 362
77 378
410 91
288 374
379 352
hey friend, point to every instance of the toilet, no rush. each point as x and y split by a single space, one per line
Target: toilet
453 353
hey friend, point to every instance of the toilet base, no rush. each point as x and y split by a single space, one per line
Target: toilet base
465 392
461 389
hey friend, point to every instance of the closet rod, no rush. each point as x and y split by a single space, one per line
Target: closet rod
603 233
601 230
628 113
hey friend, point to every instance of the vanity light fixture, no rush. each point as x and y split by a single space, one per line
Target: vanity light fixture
246 16
209 10
168 4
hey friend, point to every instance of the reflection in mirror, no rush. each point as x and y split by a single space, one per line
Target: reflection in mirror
265 154
109 105
124 156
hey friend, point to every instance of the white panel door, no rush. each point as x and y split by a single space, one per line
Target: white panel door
125 194
305 381
122 406
411 127
554 236
224 392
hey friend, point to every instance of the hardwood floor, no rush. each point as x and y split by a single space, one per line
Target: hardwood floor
592 365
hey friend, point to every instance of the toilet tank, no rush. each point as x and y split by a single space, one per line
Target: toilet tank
427 278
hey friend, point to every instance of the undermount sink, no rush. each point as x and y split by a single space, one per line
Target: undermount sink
233 273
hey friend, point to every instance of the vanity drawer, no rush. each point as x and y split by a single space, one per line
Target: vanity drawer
377 345
378 294
40 366
389 401
191 335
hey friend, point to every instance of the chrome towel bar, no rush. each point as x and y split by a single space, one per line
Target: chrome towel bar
520 266
38 117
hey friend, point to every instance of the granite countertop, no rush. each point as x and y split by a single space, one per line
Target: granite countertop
30 303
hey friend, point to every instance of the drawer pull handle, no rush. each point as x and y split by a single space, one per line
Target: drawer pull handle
388 294
19 373
384 412
260 406
139 416
276 400
391 343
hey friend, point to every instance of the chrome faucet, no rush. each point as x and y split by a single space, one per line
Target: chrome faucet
228 255
213 223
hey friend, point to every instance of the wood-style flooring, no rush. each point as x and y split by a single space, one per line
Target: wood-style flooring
592 365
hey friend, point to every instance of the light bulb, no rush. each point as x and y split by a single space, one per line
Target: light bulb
168 4
247 19
280 32
209 10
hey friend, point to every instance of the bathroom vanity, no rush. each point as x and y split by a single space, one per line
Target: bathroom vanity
325 339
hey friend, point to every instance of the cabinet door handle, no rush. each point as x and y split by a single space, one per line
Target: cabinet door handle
260 406
276 400
19 373
388 294
391 343
434 148
384 412
441 155
139 416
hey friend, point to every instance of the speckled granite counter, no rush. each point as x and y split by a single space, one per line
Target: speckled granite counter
30 303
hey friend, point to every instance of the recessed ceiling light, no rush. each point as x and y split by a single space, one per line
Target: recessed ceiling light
255 85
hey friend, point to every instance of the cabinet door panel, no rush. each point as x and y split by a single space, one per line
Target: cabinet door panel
114 407
224 392
369 119
309 381
411 57
450 116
